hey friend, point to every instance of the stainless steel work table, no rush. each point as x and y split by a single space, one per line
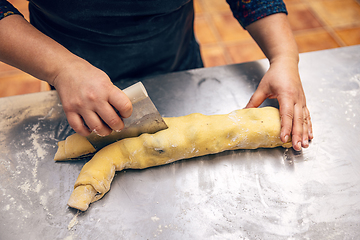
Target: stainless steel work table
251 194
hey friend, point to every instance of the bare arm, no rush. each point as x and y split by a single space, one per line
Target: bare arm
87 94
282 81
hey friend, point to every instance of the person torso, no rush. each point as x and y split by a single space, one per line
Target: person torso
125 38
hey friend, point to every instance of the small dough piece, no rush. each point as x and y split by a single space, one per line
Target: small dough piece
72 147
188 136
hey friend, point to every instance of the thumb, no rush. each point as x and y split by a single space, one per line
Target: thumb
256 99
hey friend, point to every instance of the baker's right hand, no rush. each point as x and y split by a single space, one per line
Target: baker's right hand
88 96
86 92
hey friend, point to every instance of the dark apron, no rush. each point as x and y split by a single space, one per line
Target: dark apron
126 39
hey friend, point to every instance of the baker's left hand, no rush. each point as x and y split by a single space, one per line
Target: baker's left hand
282 81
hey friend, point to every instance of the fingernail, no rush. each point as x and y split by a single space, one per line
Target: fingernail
306 143
117 130
286 138
298 146
96 132
311 135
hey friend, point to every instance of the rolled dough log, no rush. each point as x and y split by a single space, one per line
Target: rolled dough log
188 136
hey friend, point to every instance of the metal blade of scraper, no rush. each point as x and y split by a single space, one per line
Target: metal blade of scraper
145 118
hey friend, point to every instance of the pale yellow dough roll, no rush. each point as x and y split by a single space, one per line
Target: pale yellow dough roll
73 147
188 136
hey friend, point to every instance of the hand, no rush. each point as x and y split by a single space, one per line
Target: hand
282 81
88 95
86 92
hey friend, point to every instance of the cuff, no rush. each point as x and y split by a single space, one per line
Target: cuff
249 11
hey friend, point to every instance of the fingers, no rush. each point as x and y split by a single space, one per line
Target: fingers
117 100
297 128
77 123
105 118
256 99
86 122
309 124
286 116
96 120
98 114
305 132
296 121
121 102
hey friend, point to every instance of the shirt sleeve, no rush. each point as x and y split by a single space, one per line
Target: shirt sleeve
7 9
249 11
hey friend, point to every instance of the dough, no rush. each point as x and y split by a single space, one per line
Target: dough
188 136
73 147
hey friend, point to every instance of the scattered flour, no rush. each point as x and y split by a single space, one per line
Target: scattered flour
69 238
234 117
155 218
43 200
38 187
41 153
355 91
25 187
73 221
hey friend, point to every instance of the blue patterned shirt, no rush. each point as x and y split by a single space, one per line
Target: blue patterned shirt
6 9
249 11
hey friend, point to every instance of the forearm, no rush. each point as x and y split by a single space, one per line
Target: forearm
275 38
26 48
86 92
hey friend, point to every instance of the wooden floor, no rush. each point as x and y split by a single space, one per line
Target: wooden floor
317 25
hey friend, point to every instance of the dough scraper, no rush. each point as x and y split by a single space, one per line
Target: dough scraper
145 118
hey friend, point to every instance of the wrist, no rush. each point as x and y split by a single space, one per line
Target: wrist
285 59
70 64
